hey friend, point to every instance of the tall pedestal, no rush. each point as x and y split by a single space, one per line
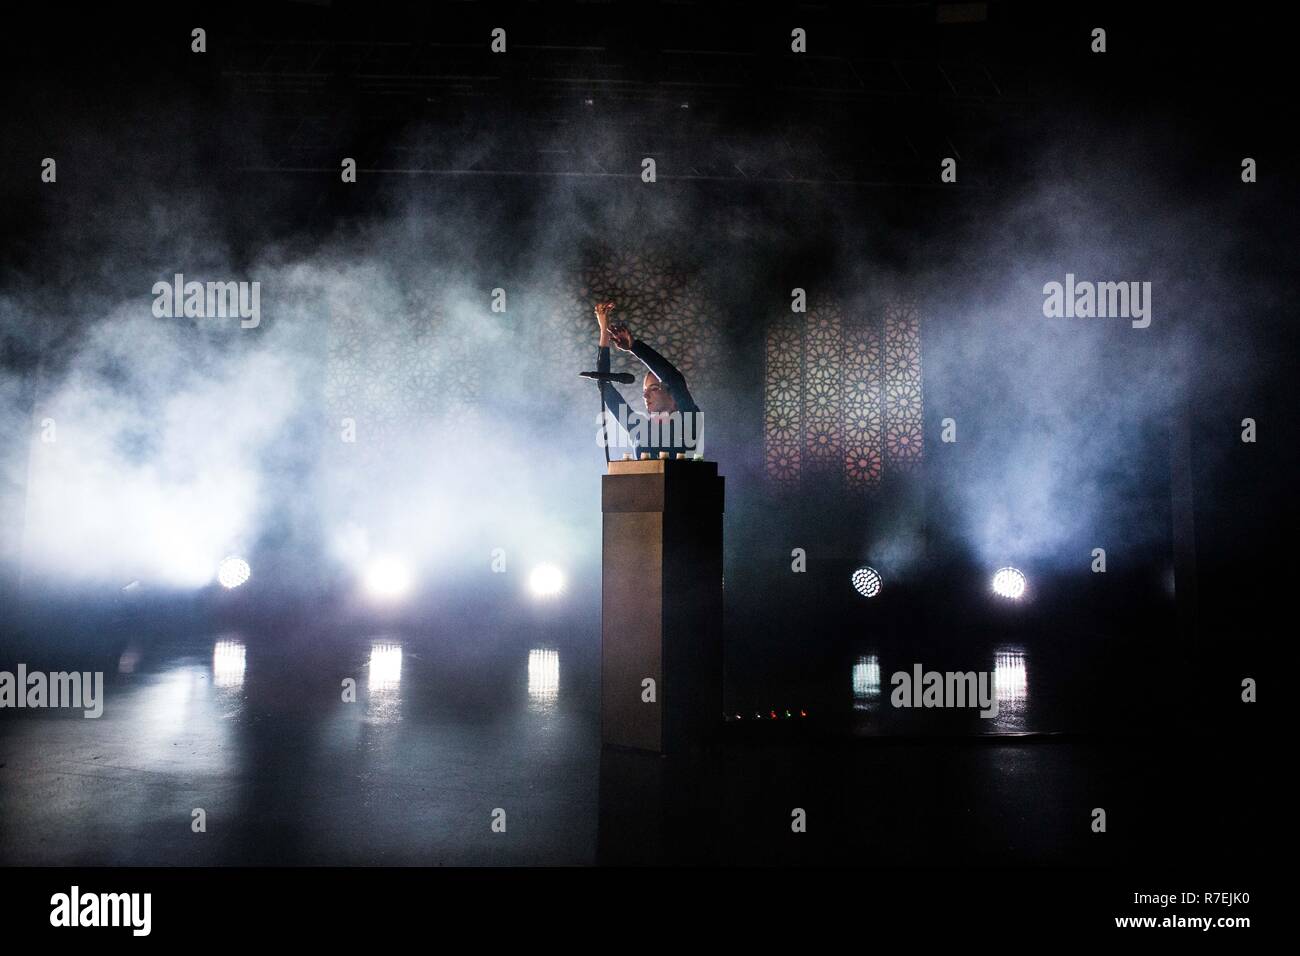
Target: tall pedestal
661 604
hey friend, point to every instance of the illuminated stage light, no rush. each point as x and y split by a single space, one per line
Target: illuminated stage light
187 569
233 571
867 581
546 580
388 578
1008 583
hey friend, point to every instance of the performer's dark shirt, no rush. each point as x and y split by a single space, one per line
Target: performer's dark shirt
685 436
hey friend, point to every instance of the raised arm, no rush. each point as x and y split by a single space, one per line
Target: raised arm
667 373
610 395
663 369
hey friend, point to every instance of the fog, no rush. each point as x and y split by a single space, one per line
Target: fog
381 408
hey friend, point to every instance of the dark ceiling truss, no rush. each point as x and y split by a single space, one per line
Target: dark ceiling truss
552 110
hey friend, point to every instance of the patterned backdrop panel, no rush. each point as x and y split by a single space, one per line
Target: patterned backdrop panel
783 402
823 392
864 453
664 303
903 407
842 396
394 370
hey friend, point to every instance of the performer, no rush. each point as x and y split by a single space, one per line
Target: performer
673 421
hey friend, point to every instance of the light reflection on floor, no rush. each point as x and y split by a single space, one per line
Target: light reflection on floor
257 732
177 721
866 682
384 682
229 660
1010 684
543 677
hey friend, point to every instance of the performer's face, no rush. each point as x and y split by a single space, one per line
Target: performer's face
657 398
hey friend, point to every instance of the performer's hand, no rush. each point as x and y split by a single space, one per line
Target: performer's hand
621 337
603 309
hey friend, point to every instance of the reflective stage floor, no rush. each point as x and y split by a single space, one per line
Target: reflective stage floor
441 743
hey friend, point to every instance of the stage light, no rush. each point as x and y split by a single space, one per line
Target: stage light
1008 583
233 571
388 578
867 581
546 580
187 569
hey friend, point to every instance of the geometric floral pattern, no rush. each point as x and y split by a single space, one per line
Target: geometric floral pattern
903 407
783 402
394 367
389 370
823 399
864 457
663 303
842 396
